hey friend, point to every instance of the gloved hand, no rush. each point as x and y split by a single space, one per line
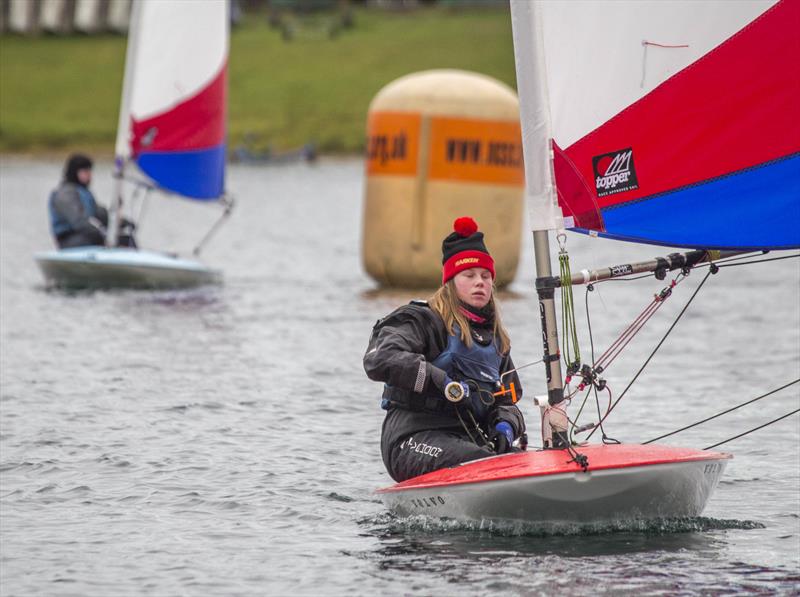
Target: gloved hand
97 224
455 391
503 437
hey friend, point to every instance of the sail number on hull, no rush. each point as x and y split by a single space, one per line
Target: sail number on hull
428 502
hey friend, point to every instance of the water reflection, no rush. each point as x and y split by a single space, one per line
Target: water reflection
482 558
423 536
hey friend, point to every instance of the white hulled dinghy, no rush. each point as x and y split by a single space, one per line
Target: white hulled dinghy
622 482
119 267
170 140
636 126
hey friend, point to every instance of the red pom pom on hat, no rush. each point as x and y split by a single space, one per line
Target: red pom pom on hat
465 226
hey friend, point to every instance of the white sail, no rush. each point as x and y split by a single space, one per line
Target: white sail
535 116
122 148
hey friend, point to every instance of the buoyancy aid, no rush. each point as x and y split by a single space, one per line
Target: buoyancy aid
478 365
58 223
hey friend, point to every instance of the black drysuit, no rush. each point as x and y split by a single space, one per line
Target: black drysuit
422 431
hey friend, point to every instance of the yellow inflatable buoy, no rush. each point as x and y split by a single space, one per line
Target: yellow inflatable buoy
441 144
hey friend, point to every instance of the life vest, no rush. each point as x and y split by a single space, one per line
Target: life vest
58 224
478 365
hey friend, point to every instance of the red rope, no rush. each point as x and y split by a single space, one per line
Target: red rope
616 347
628 334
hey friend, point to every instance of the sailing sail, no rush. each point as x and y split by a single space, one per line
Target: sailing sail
172 116
671 123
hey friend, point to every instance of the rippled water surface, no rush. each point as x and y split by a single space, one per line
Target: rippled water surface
225 441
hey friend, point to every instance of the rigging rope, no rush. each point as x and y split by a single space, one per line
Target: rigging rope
794 412
652 354
137 193
629 278
574 424
569 331
484 440
574 428
590 374
624 339
627 335
727 263
724 412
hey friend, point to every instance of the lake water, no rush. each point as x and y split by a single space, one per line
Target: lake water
226 441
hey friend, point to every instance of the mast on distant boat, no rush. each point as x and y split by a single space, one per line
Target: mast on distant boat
122 147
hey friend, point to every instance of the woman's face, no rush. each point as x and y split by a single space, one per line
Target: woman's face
474 286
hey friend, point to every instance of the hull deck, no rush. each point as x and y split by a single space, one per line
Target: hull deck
622 482
108 268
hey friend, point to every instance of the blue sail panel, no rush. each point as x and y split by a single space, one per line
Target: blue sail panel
755 209
195 174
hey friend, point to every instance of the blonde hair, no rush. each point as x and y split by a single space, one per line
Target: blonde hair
445 302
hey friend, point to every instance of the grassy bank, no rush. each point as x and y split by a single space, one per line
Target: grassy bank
63 93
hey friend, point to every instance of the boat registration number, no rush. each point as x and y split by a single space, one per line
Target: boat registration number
428 502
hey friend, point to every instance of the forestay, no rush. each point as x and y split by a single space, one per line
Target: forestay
670 123
172 117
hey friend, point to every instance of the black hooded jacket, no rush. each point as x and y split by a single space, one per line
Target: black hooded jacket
401 351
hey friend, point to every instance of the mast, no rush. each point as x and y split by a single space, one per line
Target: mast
115 208
540 190
547 312
122 149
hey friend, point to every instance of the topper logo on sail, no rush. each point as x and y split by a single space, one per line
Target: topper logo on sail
614 172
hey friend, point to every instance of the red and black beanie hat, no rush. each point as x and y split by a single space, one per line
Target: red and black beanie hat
464 248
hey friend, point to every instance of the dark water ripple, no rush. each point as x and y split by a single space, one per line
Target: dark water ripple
224 441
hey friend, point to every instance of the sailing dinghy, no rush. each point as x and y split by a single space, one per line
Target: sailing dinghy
667 123
170 139
621 483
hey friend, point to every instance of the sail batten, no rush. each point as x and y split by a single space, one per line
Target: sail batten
686 140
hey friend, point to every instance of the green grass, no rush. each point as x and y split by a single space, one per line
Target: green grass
60 93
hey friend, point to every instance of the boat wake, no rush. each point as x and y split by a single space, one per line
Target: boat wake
392 524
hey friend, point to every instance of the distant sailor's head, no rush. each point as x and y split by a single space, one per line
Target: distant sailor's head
78 169
466 261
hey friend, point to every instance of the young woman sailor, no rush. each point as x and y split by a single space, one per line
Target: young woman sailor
442 363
